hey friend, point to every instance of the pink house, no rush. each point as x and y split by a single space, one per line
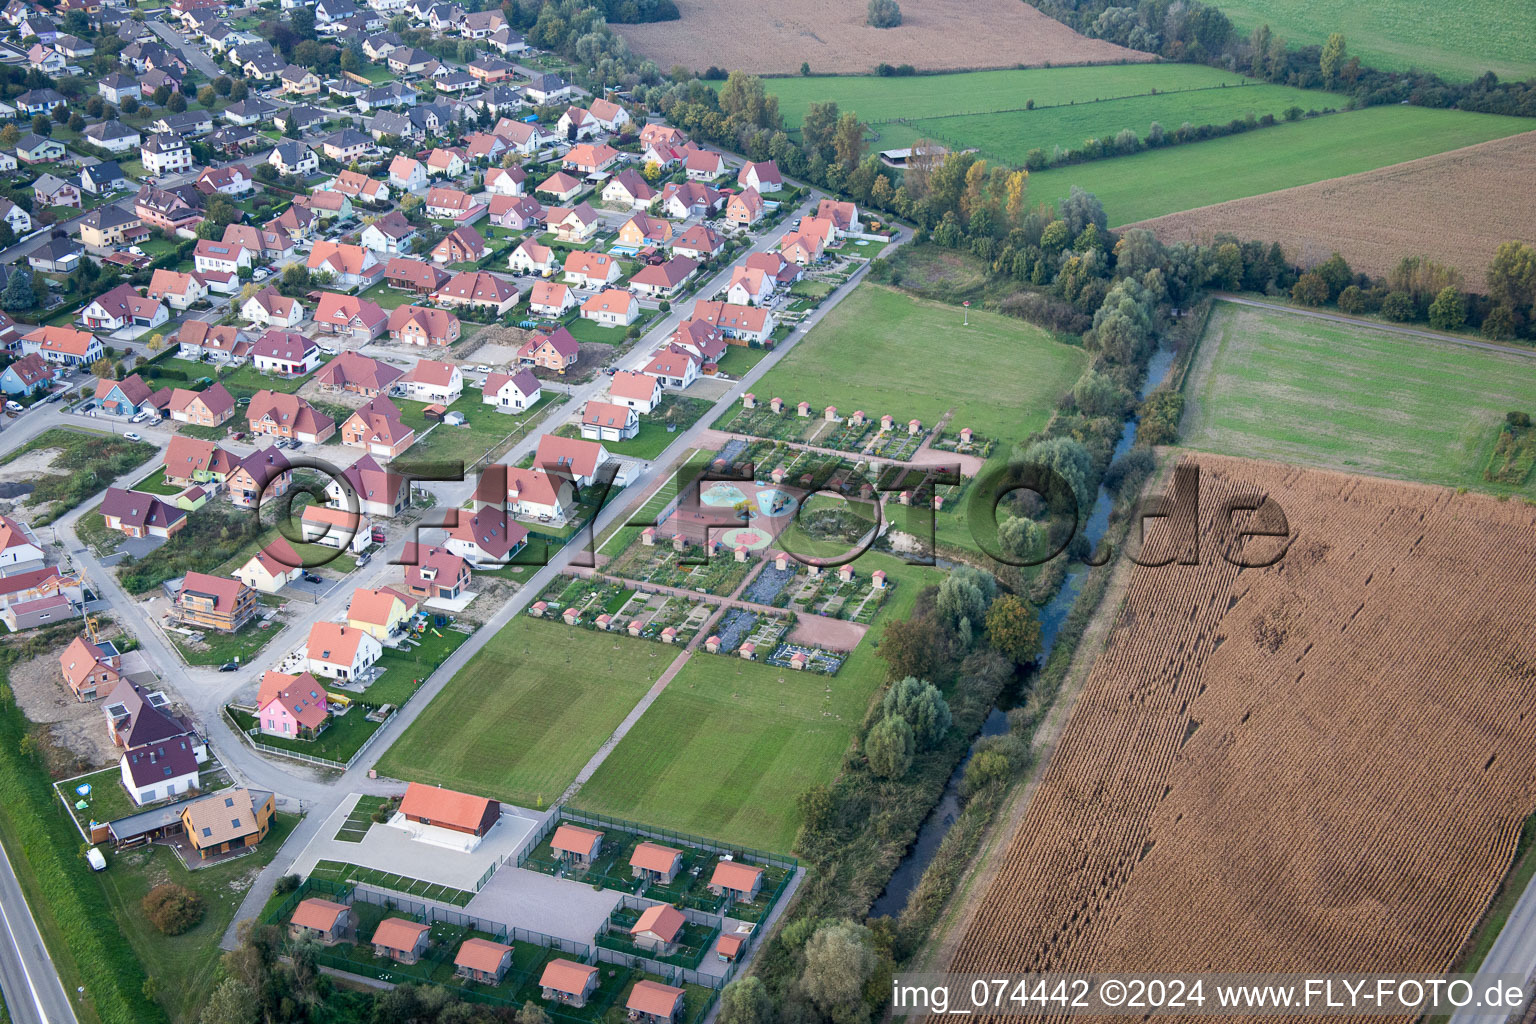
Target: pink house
292 706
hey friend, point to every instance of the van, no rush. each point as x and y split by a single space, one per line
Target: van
94 858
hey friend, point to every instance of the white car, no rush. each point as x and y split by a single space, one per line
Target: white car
13 406
135 250
133 436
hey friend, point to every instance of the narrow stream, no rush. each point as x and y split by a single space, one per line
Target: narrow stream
936 825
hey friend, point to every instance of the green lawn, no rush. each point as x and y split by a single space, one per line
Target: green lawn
155 484
402 669
1156 182
483 428
521 719
882 351
338 742
730 744
385 297
224 647
738 359
245 381
591 330
1457 41
675 411
184 967
1278 386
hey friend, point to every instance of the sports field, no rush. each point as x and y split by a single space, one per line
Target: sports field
1457 41
1152 183
1276 385
730 744
985 110
882 351
522 718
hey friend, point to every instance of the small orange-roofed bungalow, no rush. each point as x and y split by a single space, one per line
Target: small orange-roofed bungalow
651 1002
326 922
658 929
401 940
740 881
445 808
576 845
565 981
482 960
655 863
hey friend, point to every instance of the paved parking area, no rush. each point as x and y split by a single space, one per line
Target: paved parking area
303 590
544 903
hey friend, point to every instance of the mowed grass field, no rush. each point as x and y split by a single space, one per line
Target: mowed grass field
884 351
985 110
1276 385
1155 182
527 712
730 744
1457 41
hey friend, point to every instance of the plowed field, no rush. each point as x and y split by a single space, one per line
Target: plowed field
1319 765
934 35
1456 207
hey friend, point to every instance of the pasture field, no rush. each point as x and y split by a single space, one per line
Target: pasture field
730 744
1276 385
985 110
522 718
1324 761
934 35
1456 41
883 351
1436 204
1155 182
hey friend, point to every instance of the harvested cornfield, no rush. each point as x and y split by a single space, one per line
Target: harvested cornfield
934 35
1321 765
1455 207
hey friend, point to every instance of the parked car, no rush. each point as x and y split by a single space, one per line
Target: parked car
230 666
13 406
260 274
133 436
310 577
135 250
239 435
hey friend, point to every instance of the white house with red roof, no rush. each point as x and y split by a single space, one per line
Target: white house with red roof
271 308
19 548
605 421
551 299
637 391
488 537
511 392
673 366
433 381
744 323
338 651
123 307
272 568
762 175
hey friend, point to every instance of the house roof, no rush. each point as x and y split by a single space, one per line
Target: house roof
169 282
153 763
66 340
661 920
699 238
654 857
478 286
141 722
559 183
574 839
653 997
264 464
539 254
606 414
138 509
467 239
382 420
79 660
31 369
481 955
731 315
334 643
358 370
399 934
567 976
446 806
767 173
221 817
224 590
589 264
432 372
284 345
610 300
665 275
638 386
394 225
581 458
449 199
339 258
523 381
300 695
348 309
491 531
419 273
403 167
433 322
318 914
132 388
372 482
277 558
374 606
288 409
733 874
550 294
631 181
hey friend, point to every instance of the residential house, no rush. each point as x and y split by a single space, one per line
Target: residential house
357 374
249 111
360 188
117 87
350 266
690 199
555 350
423 325
335 528
655 864
350 316
159 771
664 280
187 122
198 339
482 960
461 245
91 670
337 651
575 845
113 136
745 208
511 392
40 101
505 181
479 290
637 391
651 1002
52 190
215 602
19 220
604 421
843 215
744 324
526 493
274 414
561 186
272 568
658 929
405 60
452 204
433 573
806 245
567 982
578 459
264 243
207 408
167 209
37 149
220 257
235 819
391 233
484 148
589 158
125 398
699 242
762 175
326 205
519 213
532 258
26 376
416 276
367 487
613 307
629 188
704 165
486 538
285 354
271 308
318 920
576 225
740 881
546 90
189 461
108 226
749 287
345 146
263 473
407 174
297 222
62 346
609 115
642 230
381 613
445 163
523 137
122 307
590 270
551 299
433 381
378 429
294 80
230 180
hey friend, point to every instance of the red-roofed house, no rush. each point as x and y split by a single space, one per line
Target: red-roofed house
654 863
614 307
335 528
270 308
745 208
445 808
322 921
123 307
423 325
272 568
214 602
380 613
136 514
664 280
400 940
340 652
479 290
567 982
285 353
486 538
651 1002
482 960
576 845
762 175
89 669
433 381
637 391
461 245
555 351
604 421
511 392
295 706
358 374
658 929
276 414
432 573
590 269
378 429
378 492
745 324
350 316
206 408
550 298
739 881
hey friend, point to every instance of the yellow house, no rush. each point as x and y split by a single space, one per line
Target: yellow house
227 821
380 613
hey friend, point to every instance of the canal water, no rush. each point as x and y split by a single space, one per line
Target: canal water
936 826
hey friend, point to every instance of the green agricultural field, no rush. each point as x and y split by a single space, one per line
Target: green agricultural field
1276 385
883 351
1155 182
1458 41
522 718
730 744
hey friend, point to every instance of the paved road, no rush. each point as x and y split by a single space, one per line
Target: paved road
1513 954
191 54
1354 321
33 992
